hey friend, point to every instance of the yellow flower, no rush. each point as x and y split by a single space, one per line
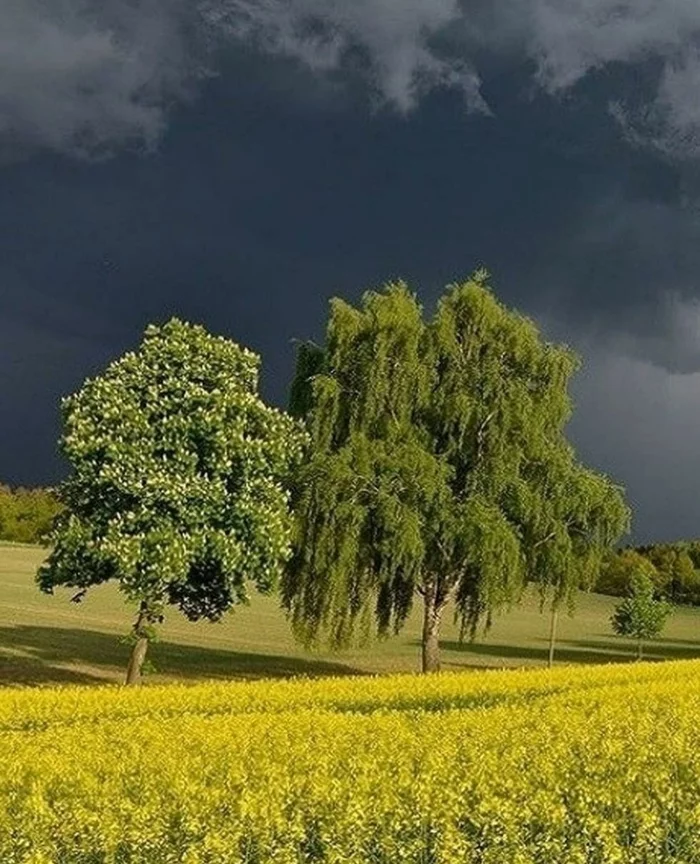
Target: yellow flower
564 767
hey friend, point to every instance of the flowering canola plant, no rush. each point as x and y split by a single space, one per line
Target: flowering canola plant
573 766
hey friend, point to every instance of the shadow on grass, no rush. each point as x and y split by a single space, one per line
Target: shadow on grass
657 649
570 651
31 671
688 643
39 655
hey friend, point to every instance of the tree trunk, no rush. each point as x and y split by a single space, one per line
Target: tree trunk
138 652
640 649
552 635
432 613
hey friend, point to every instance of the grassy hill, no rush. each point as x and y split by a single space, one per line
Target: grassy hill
49 640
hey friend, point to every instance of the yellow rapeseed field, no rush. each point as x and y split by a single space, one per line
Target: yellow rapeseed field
573 766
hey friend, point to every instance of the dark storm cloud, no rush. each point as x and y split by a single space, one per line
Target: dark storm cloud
413 47
85 76
639 423
395 37
571 38
626 269
82 76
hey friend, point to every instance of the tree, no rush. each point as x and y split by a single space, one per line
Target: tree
672 566
437 468
618 570
675 568
177 488
26 515
693 549
640 615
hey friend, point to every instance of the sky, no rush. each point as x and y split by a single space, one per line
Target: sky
238 162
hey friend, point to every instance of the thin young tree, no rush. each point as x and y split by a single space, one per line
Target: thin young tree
640 615
178 489
438 468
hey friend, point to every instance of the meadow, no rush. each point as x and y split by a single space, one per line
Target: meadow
587 765
47 640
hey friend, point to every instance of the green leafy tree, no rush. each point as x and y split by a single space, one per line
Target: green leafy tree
178 484
693 549
8 514
675 568
26 515
640 615
618 570
672 566
688 590
438 468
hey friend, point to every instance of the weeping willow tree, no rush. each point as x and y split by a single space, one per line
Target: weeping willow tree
438 468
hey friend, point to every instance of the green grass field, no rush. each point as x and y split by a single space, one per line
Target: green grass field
49 640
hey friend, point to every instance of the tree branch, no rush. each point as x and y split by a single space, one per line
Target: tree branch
482 426
544 539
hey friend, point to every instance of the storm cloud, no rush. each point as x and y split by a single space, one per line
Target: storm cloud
625 270
395 39
638 423
569 39
86 77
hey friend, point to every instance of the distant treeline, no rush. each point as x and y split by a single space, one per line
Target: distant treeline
26 515
674 568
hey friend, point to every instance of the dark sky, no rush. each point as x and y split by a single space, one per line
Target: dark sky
238 163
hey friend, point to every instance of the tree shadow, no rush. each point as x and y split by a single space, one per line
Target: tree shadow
665 640
656 649
40 655
571 651
33 672
513 653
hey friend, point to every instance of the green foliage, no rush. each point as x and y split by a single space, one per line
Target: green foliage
27 515
673 567
640 615
178 482
438 466
362 496
618 570
677 577
310 359
693 550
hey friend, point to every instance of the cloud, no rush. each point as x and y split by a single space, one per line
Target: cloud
632 420
413 46
625 271
394 38
672 342
88 76
81 77
569 39
671 124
